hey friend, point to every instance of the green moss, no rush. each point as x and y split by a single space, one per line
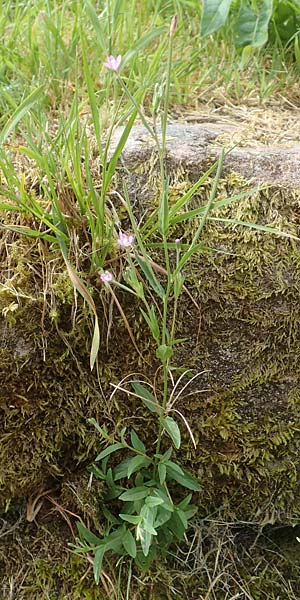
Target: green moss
244 410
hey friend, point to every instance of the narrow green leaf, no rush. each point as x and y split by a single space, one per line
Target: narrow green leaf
95 343
141 44
86 535
175 208
97 472
97 563
147 397
118 151
150 276
20 112
102 432
182 516
101 37
163 213
109 450
185 502
173 430
82 289
256 226
129 544
136 442
162 473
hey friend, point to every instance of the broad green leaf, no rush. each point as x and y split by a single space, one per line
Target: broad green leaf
168 504
163 516
121 470
174 466
137 493
214 15
147 397
164 352
136 463
184 478
86 535
145 539
112 448
136 442
150 276
173 430
252 25
129 544
152 501
147 526
97 563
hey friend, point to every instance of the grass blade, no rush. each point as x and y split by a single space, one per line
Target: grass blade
20 112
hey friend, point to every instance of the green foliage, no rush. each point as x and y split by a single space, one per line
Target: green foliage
148 519
255 22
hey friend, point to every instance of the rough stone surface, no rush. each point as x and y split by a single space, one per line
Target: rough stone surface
191 146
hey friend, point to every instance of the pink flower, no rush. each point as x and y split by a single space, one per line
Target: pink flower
125 240
113 63
106 276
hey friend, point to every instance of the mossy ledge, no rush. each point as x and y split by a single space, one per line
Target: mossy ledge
245 338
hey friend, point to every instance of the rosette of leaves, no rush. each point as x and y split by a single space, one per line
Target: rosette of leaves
146 519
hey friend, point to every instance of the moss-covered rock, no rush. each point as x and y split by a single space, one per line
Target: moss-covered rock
244 409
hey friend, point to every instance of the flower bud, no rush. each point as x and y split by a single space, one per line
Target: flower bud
173 26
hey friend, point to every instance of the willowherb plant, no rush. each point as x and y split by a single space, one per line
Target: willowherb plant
147 518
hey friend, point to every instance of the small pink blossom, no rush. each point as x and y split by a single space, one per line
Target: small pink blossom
112 63
125 240
106 276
